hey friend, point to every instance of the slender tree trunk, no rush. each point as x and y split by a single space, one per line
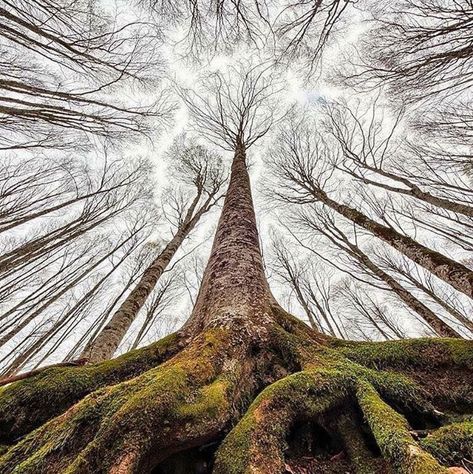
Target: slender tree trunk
414 191
12 223
19 362
314 324
440 327
22 324
462 319
450 271
107 341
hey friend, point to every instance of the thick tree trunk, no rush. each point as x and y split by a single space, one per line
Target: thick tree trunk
180 397
450 271
234 286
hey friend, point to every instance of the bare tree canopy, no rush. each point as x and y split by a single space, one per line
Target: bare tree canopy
420 48
62 66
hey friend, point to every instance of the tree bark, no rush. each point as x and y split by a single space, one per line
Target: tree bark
234 284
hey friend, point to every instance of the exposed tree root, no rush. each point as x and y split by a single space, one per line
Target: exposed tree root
26 404
250 398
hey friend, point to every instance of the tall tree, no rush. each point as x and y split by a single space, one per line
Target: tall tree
373 154
62 66
193 388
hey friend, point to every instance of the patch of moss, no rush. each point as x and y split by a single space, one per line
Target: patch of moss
212 399
97 430
451 443
26 404
361 458
410 353
392 435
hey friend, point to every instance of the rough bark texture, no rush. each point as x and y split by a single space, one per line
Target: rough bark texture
245 388
234 284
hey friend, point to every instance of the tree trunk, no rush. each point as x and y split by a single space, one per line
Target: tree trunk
234 277
448 270
243 371
461 318
414 191
440 327
107 341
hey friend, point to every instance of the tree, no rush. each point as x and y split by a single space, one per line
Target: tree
369 156
367 313
420 48
424 282
193 388
324 224
420 51
203 170
293 30
69 317
311 286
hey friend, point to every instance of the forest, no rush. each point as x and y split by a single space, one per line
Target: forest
236 236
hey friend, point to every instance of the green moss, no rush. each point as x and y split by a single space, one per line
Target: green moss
260 434
93 433
394 387
409 352
212 399
28 403
391 432
451 443
360 456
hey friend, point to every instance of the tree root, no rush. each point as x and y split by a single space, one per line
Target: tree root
196 394
391 432
124 427
451 444
27 404
257 442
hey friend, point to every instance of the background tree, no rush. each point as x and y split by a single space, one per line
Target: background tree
299 163
62 66
203 171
